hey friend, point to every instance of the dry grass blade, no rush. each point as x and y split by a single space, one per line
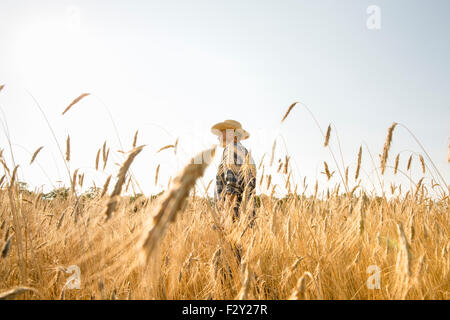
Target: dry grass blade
75 102
111 206
173 200
327 136
288 111
166 147
35 154
1 87
387 146
10 294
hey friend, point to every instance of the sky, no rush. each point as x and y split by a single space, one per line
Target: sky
172 69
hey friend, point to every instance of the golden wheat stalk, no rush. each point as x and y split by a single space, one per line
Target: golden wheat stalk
279 166
243 293
13 177
261 162
105 186
288 184
286 165
175 148
68 148
172 201
404 257
327 136
105 161
156 175
397 161
75 102
104 151
273 152
269 181
165 147
358 166
288 111
35 154
97 159
111 206
299 291
74 181
387 146
135 138
10 294
128 184
81 179
418 187
6 247
422 163
327 171
448 152
262 176
316 189
1 87
209 184
346 176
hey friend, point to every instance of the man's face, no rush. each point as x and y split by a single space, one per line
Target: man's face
226 137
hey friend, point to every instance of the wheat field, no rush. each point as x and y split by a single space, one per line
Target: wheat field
346 243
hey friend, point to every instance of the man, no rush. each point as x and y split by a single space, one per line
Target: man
236 175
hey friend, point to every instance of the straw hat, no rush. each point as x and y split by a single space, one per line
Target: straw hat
230 124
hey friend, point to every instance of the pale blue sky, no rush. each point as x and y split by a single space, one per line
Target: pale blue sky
174 68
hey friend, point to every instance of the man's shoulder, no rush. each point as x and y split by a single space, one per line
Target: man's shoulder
241 147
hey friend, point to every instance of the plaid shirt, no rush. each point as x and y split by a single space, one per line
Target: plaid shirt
236 175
